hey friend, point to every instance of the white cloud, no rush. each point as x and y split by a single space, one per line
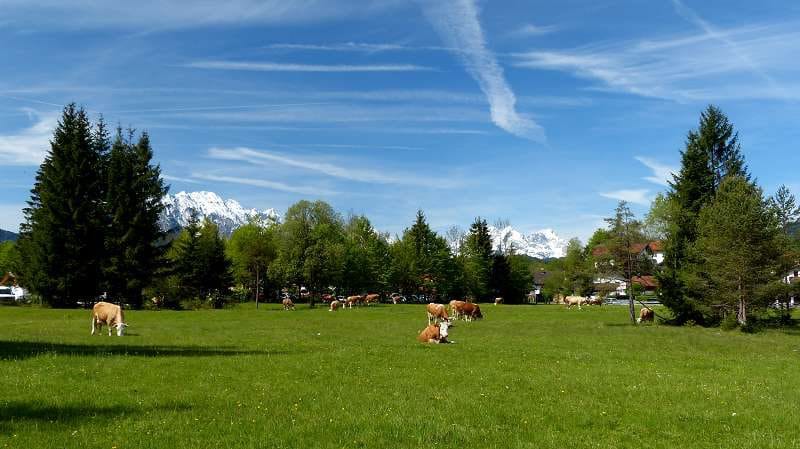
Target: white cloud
303 190
317 68
457 23
29 146
662 173
356 47
530 29
703 66
634 196
350 173
147 14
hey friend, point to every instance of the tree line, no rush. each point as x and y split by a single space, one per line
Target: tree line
727 245
92 228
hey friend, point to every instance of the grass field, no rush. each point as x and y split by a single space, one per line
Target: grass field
526 376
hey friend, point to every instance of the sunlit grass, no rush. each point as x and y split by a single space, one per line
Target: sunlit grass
524 377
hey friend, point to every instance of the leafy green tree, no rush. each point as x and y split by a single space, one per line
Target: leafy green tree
62 238
311 246
252 249
366 256
786 209
626 232
737 247
9 258
577 270
133 235
657 221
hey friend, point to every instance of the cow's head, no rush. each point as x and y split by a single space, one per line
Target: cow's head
120 329
444 328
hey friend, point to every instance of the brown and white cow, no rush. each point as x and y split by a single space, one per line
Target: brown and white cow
457 308
435 333
335 304
356 299
110 315
288 304
436 312
498 301
371 298
645 315
471 311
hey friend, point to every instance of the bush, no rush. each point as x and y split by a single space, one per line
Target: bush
729 323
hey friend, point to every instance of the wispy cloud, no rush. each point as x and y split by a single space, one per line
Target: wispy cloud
356 47
288 67
457 23
273 185
149 14
530 29
180 179
29 146
350 173
724 63
662 173
634 196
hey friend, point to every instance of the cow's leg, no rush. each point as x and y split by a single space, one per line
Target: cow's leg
109 328
93 329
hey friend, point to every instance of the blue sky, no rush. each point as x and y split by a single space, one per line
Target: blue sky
544 114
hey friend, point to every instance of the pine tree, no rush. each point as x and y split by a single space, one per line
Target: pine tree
134 193
478 253
712 153
737 247
62 237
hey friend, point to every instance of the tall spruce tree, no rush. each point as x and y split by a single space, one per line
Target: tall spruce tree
133 199
62 237
712 152
478 254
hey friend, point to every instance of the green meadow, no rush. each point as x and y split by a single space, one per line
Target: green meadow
525 376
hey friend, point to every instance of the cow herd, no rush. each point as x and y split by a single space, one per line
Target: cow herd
440 318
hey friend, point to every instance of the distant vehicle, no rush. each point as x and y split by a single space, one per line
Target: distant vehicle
7 295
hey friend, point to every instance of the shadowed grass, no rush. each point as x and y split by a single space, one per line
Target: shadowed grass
542 377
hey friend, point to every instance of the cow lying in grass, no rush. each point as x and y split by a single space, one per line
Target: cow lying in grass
645 315
436 312
435 333
110 315
288 304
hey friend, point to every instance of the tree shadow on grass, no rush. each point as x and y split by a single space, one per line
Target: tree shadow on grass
20 350
17 412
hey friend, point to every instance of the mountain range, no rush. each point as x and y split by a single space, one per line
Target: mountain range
229 215
7 235
543 244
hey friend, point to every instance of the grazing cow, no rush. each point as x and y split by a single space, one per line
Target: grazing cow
456 307
645 315
356 299
570 301
335 304
471 311
370 298
157 301
498 301
435 333
595 301
288 304
436 312
110 315
397 297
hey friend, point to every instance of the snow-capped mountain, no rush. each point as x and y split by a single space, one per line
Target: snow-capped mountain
542 244
227 214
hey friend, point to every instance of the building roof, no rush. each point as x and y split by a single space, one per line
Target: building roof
540 276
636 248
645 281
